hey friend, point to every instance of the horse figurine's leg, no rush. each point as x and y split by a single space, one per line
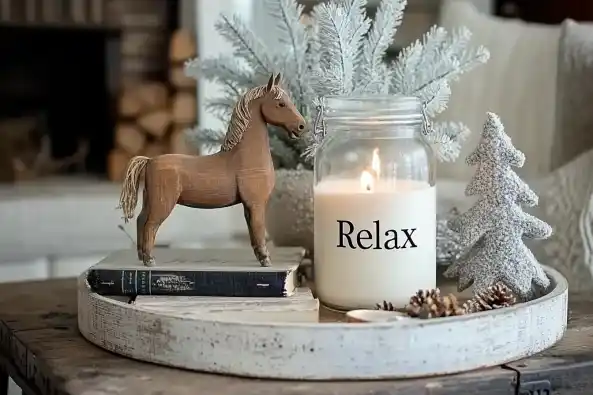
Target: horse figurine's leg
162 189
149 236
140 225
160 198
256 223
151 228
146 231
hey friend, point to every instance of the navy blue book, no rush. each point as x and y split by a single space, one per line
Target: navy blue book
197 272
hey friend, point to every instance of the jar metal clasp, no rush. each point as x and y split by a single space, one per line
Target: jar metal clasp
426 124
319 122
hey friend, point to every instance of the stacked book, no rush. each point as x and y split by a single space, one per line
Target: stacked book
226 282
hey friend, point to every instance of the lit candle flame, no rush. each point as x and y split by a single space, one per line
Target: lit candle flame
367 180
368 177
376 163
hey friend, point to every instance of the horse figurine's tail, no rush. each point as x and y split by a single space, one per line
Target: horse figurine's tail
129 192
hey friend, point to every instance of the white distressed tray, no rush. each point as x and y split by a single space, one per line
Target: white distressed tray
297 347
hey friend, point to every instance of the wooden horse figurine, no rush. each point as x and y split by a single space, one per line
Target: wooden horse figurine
241 172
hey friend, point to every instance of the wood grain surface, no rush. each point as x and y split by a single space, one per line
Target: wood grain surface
40 341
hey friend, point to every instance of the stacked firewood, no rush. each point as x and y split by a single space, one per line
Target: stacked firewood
153 115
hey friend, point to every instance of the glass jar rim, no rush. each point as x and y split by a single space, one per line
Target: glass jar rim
373 109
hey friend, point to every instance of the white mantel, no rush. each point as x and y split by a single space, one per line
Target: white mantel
58 227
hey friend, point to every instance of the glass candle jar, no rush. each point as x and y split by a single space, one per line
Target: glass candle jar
374 202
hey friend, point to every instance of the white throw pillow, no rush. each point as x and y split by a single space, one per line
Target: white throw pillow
574 109
518 83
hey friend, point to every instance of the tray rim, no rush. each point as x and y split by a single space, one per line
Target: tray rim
327 351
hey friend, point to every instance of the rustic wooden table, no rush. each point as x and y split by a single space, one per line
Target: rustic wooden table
41 349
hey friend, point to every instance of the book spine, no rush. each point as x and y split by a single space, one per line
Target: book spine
121 282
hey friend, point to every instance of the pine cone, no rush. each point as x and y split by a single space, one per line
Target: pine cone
494 297
388 306
416 301
421 297
445 306
430 304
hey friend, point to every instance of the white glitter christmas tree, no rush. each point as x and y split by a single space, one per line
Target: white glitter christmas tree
494 228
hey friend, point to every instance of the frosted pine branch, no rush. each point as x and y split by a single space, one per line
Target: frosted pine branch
410 76
447 55
223 69
208 135
313 58
332 54
311 150
360 25
435 97
205 137
221 107
410 72
446 139
290 31
293 36
342 26
405 67
434 48
371 71
247 46
452 55
314 140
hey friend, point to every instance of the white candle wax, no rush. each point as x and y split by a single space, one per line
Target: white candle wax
358 262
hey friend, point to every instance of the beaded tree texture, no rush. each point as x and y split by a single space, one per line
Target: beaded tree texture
337 51
495 226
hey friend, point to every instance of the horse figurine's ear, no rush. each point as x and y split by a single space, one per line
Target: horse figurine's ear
270 83
277 79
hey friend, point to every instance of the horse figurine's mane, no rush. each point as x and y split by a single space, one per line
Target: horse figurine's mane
241 115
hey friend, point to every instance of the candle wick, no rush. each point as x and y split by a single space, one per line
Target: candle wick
368 187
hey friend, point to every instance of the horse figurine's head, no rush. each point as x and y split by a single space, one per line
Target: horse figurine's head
277 109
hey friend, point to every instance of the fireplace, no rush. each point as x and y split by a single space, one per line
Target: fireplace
61 78
65 64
